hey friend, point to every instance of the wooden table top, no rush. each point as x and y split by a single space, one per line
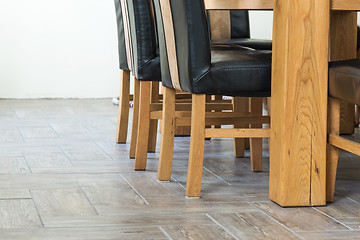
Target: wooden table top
268 4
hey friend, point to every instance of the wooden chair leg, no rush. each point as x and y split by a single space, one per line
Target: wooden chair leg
240 105
153 122
256 143
196 156
218 98
123 118
167 135
332 153
134 129
143 126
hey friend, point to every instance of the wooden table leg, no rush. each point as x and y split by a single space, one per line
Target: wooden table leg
299 102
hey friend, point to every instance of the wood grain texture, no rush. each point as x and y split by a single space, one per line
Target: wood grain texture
239 4
332 153
345 144
256 143
240 105
123 118
353 5
153 122
135 119
196 155
237 133
345 5
143 126
167 136
299 102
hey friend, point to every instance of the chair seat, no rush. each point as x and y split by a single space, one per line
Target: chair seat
344 80
258 44
243 73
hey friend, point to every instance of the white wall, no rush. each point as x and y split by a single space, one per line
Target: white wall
63 48
67 48
261 24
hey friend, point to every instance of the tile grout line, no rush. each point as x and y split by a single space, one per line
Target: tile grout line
26 162
321 231
217 176
87 198
165 233
22 137
343 224
36 209
135 190
102 149
283 225
66 155
353 200
56 133
221 226
178 183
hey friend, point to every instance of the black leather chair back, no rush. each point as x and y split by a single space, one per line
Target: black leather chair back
123 64
138 22
186 46
240 25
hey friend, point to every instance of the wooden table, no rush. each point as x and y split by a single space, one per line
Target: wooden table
301 51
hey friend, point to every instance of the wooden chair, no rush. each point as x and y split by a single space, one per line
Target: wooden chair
121 133
344 85
138 54
188 64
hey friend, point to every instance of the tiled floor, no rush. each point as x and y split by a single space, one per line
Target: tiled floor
63 177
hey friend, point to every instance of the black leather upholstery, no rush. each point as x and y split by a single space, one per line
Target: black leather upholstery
240 33
145 57
344 80
260 44
231 72
121 38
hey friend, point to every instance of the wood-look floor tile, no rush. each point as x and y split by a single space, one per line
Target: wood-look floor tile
352 222
13 165
69 128
62 202
130 220
341 208
146 184
331 235
198 232
86 153
15 194
30 112
47 158
37 132
18 213
10 135
299 219
253 225
91 233
84 187
112 197
97 125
